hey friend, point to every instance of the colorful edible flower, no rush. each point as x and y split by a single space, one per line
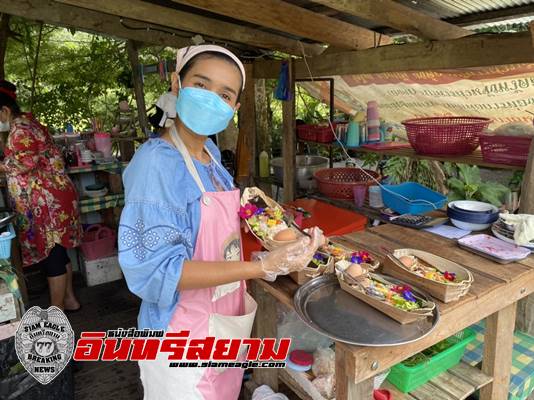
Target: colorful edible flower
450 276
318 257
359 257
247 211
408 295
271 223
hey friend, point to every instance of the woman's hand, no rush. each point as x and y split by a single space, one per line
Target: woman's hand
292 257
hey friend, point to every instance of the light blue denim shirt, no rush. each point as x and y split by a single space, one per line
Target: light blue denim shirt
159 224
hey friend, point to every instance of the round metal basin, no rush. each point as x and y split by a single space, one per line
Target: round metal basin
306 166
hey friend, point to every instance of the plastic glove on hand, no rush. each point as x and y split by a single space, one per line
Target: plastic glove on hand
292 257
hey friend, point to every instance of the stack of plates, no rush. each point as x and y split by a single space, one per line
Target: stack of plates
505 232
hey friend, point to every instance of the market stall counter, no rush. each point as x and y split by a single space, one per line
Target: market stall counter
493 295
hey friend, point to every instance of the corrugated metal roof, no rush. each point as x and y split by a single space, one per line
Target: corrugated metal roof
455 8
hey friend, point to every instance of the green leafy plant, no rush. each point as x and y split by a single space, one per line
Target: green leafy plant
403 169
428 353
469 186
515 181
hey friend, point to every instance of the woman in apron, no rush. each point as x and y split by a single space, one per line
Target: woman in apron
179 235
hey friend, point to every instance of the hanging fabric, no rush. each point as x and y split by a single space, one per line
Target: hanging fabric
283 91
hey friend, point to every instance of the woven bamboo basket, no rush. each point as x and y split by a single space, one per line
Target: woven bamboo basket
268 243
445 292
401 316
308 273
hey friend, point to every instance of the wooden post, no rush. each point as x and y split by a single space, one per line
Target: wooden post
288 139
133 55
527 189
498 345
4 37
346 388
265 327
247 129
263 128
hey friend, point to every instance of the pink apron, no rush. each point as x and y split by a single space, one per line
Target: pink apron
225 311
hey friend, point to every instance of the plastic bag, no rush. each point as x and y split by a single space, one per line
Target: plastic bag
22 386
264 392
302 337
324 362
515 129
326 385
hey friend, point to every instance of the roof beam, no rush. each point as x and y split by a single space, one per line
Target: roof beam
398 16
89 21
175 19
286 17
471 51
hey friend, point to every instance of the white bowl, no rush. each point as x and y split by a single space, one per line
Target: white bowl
96 193
469 226
473 206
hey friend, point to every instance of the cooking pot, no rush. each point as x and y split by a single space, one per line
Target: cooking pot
305 165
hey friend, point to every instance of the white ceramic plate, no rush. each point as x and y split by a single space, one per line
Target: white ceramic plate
511 241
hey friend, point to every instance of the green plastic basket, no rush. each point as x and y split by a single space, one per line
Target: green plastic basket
407 379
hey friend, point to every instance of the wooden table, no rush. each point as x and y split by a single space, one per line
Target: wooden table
493 295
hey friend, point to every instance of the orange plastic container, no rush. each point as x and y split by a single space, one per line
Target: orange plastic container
333 221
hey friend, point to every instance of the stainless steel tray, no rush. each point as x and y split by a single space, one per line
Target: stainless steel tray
325 307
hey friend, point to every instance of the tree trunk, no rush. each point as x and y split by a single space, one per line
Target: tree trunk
4 36
263 120
35 62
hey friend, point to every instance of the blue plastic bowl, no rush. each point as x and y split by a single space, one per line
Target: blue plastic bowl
391 196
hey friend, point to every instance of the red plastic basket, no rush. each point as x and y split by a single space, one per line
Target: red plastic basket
508 150
338 183
98 242
316 133
445 135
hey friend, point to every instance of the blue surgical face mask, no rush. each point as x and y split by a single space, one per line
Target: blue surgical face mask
203 111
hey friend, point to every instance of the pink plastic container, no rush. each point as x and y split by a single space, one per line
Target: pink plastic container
103 143
98 242
360 193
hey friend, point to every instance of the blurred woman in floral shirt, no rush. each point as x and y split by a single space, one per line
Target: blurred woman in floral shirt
43 196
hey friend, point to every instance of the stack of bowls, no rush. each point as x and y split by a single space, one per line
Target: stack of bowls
472 215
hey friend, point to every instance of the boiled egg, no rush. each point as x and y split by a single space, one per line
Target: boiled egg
286 235
355 270
407 261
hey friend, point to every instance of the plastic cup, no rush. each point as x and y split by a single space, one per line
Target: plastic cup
360 192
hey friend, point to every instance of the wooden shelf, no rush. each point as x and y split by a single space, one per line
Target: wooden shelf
101 203
457 383
115 167
472 159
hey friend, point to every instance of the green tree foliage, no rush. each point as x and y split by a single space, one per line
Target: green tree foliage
79 75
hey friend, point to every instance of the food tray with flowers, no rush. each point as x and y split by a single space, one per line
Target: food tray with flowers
398 301
321 263
266 219
339 252
443 279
